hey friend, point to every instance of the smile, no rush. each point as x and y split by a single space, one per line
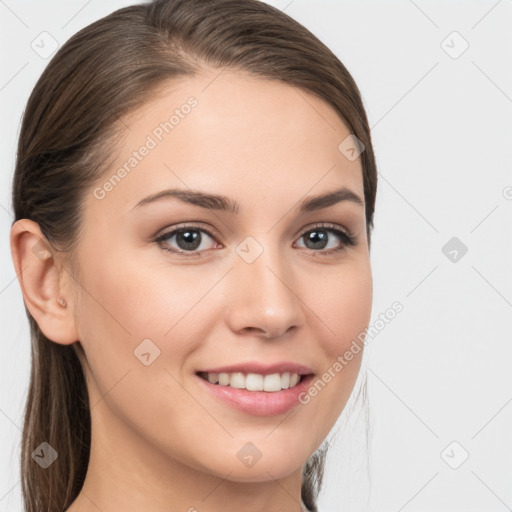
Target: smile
253 381
257 389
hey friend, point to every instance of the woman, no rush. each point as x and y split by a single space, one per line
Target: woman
193 197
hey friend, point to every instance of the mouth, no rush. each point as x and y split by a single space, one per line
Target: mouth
271 391
270 383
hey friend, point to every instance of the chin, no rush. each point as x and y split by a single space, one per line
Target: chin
262 472
249 465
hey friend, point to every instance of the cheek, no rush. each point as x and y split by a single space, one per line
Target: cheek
345 306
344 309
128 322
140 313
138 298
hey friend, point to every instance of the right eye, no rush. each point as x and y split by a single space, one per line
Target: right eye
188 238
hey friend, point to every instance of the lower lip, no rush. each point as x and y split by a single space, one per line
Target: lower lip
259 403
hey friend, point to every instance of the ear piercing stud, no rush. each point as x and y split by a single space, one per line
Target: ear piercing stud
62 302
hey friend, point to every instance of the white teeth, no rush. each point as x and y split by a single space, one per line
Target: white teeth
237 380
255 381
272 382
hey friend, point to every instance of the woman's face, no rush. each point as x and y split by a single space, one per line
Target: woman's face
267 287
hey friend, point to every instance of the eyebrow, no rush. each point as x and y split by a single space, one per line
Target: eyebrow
223 203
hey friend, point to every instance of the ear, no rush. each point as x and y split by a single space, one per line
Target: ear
43 282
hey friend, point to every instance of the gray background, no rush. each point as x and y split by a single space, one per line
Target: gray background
439 379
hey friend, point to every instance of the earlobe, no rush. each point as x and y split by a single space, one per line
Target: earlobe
42 282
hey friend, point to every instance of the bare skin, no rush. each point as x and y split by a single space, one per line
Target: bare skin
160 441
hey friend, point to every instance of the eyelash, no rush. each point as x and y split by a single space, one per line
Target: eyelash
347 240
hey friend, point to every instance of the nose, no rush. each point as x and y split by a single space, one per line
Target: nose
264 297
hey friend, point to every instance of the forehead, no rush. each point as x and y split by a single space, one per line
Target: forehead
231 133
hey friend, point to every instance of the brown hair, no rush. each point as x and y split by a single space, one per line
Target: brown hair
103 72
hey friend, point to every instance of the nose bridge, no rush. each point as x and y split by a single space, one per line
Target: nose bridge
264 297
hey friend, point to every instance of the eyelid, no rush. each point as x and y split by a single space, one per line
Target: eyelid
325 225
211 231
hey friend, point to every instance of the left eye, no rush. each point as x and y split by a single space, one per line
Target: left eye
319 238
190 238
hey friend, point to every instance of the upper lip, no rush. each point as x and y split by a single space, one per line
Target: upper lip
261 368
